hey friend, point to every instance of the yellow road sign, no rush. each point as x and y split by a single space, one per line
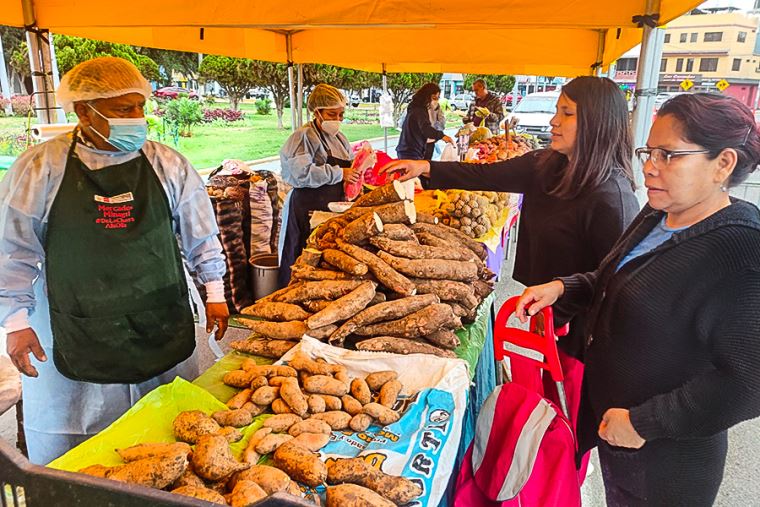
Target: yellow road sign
686 84
722 85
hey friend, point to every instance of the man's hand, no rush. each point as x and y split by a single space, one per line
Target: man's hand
616 429
20 344
217 316
408 168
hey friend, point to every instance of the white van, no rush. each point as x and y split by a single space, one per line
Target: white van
534 112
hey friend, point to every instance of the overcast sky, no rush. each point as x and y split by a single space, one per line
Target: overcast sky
742 4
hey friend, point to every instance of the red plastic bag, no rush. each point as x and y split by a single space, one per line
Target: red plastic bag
374 177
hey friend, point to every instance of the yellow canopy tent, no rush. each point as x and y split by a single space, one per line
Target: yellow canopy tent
549 37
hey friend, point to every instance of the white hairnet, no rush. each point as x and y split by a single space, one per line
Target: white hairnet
325 96
101 78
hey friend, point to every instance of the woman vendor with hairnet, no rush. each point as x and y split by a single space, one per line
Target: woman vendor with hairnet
316 161
91 276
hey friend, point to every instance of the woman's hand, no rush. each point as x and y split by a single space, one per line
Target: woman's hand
536 298
616 429
408 168
20 344
217 315
447 139
350 175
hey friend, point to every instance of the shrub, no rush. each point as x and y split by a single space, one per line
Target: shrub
21 104
183 114
263 106
221 114
14 144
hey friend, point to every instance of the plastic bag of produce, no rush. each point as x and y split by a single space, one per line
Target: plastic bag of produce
261 218
374 177
449 153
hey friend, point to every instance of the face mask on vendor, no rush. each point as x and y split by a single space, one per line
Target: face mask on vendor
124 134
330 120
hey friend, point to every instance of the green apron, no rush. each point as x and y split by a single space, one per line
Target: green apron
119 306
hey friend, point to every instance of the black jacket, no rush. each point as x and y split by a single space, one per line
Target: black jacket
674 336
415 132
557 237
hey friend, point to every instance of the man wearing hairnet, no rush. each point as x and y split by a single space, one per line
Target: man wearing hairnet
93 293
315 160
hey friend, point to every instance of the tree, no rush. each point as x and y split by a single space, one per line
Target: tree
71 51
403 85
274 78
350 80
235 75
498 84
16 55
171 62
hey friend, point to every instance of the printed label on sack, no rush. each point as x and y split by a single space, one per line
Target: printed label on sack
117 199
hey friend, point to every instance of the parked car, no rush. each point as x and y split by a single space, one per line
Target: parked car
173 92
508 99
534 112
461 101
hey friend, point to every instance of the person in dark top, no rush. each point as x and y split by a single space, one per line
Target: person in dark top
485 100
417 128
673 333
578 195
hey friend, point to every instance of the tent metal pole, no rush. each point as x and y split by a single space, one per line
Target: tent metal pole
647 77
5 87
596 69
299 99
291 82
385 129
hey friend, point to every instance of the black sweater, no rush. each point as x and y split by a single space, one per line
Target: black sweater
557 237
674 336
415 132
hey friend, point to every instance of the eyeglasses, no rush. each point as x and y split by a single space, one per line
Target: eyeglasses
661 157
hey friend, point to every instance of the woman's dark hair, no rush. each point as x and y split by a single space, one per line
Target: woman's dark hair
422 96
716 122
603 137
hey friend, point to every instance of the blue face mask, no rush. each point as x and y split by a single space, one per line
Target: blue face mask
125 134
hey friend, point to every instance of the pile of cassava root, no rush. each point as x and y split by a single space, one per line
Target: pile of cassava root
310 399
379 277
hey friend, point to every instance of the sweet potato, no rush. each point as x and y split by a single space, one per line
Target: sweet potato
291 393
280 407
240 399
300 464
328 289
448 290
230 434
270 370
322 333
345 495
292 330
436 269
341 374
317 305
274 349
344 262
351 405
265 395
314 274
389 393
444 338
398 490
316 404
385 274
236 418
309 426
246 493
271 442
254 409
249 454
388 310
402 346
322 384
237 378
259 381
398 232
150 450
280 312
337 419
101 471
385 194
276 381
344 307
276 294
413 250
360 390
312 441
282 422
213 460
190 425
301 362
380 413
331 402
378 379
188 478
360 422
420 323
201 493
271 479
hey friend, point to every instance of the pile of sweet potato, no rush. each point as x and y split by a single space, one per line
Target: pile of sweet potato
379 277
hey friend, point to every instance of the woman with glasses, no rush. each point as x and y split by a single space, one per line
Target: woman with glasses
673 334
578 195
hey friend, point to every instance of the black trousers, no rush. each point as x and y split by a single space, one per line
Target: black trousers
664 472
